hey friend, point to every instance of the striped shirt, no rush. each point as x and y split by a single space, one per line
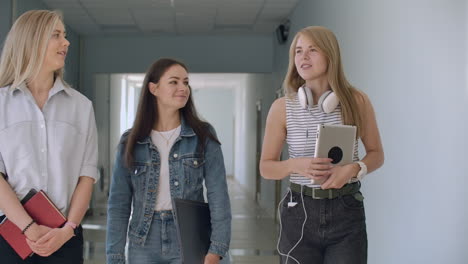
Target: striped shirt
301 131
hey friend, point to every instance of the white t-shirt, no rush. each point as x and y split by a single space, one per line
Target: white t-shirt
164 142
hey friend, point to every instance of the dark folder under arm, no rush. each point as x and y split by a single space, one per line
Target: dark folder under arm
193 224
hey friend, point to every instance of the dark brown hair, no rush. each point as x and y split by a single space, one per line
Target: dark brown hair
147 113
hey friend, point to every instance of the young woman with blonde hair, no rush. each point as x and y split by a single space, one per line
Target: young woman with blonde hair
48 138
322 215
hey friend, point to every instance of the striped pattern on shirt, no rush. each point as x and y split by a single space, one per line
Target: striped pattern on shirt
301 131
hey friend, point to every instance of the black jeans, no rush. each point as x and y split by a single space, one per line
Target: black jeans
335 231
71 252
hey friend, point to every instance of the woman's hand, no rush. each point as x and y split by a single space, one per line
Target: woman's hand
340 175
314 168
51 242
211 258
35 232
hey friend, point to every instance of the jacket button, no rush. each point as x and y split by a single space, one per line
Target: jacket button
195 163
176 183
175 155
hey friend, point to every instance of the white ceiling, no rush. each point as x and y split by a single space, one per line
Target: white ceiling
153 17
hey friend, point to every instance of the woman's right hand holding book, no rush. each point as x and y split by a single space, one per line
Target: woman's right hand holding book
50 242
35 232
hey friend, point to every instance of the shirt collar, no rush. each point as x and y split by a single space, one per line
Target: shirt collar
186 130
58 86
21 87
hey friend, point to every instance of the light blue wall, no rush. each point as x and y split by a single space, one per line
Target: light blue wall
217 107
26 5
410 57
5 19
267 94
217 54
72 67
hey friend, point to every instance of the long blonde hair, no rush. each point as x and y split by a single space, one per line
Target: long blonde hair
25 47
327 43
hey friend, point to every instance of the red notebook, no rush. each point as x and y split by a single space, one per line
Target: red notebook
42 210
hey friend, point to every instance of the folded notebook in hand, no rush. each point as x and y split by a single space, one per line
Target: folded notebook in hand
193 223
42 210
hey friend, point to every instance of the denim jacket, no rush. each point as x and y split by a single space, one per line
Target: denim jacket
138 187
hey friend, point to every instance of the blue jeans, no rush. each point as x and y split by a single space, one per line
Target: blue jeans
162 244
335 231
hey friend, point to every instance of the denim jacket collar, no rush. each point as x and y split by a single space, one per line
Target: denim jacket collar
185 131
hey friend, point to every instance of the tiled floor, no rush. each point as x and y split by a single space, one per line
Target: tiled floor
254 233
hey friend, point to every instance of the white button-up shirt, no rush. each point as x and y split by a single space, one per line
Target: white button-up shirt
48 149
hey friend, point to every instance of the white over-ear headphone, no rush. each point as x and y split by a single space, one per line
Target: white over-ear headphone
326 103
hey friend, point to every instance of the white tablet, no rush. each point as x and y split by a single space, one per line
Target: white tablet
335 142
